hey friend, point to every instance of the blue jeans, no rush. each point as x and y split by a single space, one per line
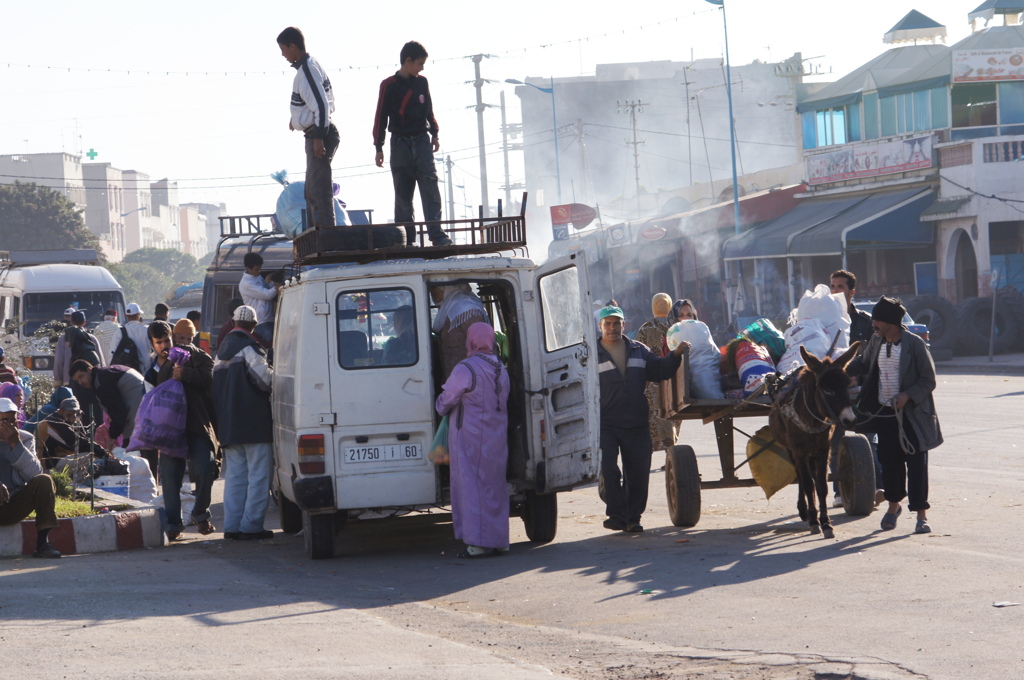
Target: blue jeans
172 472
247 486
412 164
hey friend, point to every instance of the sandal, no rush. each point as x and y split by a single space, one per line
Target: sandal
889 519
922 527
472 552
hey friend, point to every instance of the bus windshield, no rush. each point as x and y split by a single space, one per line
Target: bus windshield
38 308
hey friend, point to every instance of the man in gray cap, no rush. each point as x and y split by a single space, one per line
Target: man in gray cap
24 488
899 378
624 369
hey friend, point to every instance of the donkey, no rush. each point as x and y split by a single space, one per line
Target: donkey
803 418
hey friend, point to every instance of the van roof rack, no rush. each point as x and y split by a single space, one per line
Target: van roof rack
356 244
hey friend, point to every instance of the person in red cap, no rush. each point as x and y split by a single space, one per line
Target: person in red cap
899 378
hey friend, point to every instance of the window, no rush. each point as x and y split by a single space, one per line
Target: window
871 116
974 104
376 328
829 127
43 307
560 306
940 107
888 106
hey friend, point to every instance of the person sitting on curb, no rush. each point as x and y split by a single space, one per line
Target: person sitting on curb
24 488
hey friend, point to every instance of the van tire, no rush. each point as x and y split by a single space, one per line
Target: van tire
318 532
540 516
290 514
355 238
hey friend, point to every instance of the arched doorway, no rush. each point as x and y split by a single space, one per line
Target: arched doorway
965 267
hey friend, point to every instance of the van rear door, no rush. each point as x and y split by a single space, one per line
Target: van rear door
569 400
381 392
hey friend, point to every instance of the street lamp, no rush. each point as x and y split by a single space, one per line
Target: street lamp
134 211
732 122
554 125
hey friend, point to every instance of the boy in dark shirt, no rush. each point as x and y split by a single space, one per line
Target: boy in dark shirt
404 108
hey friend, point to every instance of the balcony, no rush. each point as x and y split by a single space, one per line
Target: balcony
987 165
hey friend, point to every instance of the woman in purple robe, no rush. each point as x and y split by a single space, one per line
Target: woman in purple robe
475 399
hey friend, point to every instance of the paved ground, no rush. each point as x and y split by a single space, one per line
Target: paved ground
745 594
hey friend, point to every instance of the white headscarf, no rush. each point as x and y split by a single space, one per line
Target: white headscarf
459 305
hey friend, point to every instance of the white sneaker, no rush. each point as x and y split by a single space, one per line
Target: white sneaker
837 502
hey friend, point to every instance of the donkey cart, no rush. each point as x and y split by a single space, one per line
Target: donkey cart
855 469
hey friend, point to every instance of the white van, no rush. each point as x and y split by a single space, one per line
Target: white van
352 432
34 295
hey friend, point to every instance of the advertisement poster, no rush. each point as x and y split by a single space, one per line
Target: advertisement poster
870 159
974 66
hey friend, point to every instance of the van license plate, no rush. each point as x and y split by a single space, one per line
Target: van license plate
383 453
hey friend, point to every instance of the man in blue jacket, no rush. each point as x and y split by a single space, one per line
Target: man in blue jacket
625 367
241 387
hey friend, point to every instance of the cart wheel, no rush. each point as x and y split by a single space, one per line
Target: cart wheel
540 516
291 514
318 531
682 483
856 475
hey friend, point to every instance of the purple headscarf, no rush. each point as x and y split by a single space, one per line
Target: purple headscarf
14 392
479 339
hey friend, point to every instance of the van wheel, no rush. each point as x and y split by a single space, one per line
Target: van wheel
540 516
291 514
318 531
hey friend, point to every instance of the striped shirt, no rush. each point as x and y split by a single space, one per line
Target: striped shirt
888 373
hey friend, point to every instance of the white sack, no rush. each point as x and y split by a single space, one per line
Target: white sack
705 376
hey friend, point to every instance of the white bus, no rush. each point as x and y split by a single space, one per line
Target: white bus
31 296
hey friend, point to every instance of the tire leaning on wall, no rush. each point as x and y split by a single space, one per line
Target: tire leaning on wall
939 315
1011 300
974 319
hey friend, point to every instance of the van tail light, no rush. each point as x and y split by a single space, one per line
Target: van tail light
311 454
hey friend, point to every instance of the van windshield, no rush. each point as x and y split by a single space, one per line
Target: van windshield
39 308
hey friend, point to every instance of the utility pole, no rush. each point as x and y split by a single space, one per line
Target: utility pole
689 139
478 83
583 159
633 107
451 189
504 153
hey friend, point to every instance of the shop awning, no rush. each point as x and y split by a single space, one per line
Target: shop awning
821 227
880 221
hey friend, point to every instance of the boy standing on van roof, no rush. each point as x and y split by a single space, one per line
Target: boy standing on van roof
404 108
311 107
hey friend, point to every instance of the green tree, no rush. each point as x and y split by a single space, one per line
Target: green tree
178 266
142 283
33 217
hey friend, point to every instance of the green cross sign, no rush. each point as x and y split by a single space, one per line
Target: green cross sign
92 154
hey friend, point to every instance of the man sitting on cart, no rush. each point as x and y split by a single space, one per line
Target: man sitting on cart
625 367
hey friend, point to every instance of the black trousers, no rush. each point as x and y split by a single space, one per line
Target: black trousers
625 492
903 475
412 165
319 188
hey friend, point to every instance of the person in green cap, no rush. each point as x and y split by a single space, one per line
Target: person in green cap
624 368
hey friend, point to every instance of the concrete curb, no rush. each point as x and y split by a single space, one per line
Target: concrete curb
109 532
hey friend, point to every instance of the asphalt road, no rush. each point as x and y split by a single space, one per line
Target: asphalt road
745 594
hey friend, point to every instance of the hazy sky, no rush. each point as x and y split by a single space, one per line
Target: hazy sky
198 91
